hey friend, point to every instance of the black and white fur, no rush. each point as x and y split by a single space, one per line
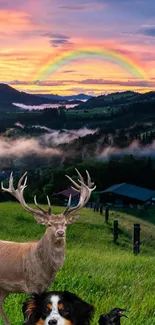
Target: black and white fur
57 308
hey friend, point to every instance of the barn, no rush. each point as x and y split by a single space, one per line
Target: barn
125 194
66 194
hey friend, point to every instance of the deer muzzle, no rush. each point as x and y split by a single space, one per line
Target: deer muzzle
60 233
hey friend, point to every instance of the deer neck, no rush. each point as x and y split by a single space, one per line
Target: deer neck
51 250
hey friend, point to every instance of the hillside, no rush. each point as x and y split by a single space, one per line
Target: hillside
9 95
100 272
118 98
115 111
81 132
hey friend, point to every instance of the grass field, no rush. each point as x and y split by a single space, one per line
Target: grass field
100 272
88 113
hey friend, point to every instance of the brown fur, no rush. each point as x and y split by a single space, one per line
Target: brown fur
68 322
31 307
49 306
30 267
60 306
40 322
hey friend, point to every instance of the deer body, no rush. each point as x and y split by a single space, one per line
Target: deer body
45 259
31 267
12 257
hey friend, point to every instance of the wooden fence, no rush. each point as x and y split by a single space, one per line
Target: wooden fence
97 207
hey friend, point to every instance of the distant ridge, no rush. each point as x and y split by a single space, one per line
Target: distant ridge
71 97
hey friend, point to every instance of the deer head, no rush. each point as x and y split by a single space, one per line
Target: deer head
57 223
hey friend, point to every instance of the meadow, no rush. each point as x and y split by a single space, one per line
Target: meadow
102 273
88 113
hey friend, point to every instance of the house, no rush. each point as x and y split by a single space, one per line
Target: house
125 194
66 193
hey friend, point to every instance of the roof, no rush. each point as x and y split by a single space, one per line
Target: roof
129 190
69 191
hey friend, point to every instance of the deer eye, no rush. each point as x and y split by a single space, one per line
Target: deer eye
49 224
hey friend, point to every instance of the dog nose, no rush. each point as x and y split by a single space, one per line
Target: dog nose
52 322
60 233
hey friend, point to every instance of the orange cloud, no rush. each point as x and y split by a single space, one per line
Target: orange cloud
14 21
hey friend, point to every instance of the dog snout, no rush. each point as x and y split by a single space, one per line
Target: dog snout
60 233
52 322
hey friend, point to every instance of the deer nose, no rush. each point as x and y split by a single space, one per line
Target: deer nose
52 322
60 233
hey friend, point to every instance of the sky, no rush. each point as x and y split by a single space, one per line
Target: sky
72 46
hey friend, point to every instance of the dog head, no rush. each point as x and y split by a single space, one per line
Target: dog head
57 308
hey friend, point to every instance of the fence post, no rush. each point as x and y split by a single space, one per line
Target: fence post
136 239
115 230
106 214
101 208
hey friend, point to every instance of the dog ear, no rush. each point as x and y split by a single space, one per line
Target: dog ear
81 311
31 309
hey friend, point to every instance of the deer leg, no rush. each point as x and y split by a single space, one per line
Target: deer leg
2 314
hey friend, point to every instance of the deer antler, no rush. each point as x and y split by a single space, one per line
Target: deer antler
18 194
84 190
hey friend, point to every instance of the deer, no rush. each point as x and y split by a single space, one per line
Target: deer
31 267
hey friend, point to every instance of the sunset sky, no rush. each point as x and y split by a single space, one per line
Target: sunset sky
73 46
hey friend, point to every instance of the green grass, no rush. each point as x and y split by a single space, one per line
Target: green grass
102 273
88 113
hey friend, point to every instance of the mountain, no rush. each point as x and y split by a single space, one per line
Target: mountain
9 95
71 97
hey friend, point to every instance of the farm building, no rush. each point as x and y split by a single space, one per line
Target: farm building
125 194
66 193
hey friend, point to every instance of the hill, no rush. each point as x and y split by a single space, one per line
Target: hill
119 98
100 272
9 95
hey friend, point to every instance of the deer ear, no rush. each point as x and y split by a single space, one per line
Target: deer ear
41 220
72 219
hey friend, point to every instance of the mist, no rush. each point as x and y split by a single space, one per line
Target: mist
57 137
135 149
25 146
43 106
45 148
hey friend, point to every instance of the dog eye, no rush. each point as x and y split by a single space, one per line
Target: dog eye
47 310
64 311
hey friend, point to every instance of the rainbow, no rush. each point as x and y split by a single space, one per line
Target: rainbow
51 65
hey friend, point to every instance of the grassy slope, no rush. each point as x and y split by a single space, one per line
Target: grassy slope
104 274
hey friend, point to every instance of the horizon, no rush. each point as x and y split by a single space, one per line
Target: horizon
68 47
75 94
